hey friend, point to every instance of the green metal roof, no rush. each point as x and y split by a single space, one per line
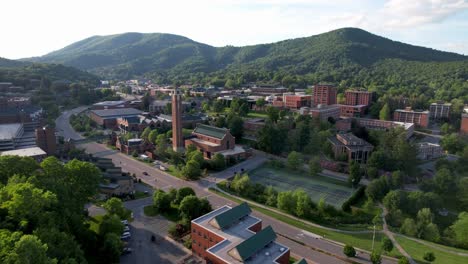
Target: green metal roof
211 131
255 243
301 261
232 215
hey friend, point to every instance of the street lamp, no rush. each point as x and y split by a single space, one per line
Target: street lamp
373 239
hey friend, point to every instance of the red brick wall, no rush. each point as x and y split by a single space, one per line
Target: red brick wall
96 118
464 124
203 239
257 227
284 259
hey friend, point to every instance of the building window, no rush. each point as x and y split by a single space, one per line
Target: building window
194 230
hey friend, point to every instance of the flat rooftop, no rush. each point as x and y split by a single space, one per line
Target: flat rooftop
239 234
9 131
109 103
120 112
26 152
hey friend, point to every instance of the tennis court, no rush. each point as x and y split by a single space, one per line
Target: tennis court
334 192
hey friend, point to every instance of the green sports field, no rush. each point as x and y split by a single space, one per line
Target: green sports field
335 192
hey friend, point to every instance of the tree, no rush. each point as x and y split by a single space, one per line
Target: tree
303 203
384 113
220 122
403 260
445 182
10 165
161 201
460 229
462 193
115 206
218 162
387 244
84 178
286 201
452 143
144 135
191 170
349 251
354 173
377 189
29 249
273 113
294 161
394 200
260 103
60 245
182 193
429 256
218 106
161 145
236 126
375 257
153 135
110 224
314 166
112 248
189 207
409 227
241 184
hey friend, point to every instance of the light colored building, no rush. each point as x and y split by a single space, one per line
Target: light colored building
428 151
325 112
440 111
35 152
233 236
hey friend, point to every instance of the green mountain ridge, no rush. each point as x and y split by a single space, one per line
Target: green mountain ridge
19 72
155 54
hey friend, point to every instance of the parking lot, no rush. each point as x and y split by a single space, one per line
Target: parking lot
162 250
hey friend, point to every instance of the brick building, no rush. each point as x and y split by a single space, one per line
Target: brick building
324 94
324 112
357 97
419 118
211 140
46 139
233 236
464 122
293 101
352 110
374 124
108 118
353 147
439 111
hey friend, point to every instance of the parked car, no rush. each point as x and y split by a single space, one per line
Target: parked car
125 222
125 237
126 234
126 229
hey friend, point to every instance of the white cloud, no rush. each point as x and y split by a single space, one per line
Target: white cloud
404 13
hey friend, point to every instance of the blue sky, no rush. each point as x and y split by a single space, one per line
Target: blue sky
33 28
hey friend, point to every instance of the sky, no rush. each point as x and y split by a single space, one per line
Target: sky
36 27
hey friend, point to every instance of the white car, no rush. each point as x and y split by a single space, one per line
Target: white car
126 234
125 237
126 229
125 222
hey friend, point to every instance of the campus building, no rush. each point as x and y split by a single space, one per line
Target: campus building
354 148
358 97
419 118
323 112
374 124
233 236
440 111
110 105
33 152
464 122
324 94
293 101
46 139
352 110
107 118
428 151
211 140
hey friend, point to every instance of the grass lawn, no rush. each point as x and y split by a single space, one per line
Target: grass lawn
363 241
417 250
257 115
140 194
334 191
94 223
150 211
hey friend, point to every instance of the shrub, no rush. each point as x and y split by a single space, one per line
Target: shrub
375 257
349 251
353 199
403 260
429 256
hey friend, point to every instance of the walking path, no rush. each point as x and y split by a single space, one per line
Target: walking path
392 238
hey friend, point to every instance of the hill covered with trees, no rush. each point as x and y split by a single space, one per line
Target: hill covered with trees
20 73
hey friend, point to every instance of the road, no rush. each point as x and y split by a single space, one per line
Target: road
288 235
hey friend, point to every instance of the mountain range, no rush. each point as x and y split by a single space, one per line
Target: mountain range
136 54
